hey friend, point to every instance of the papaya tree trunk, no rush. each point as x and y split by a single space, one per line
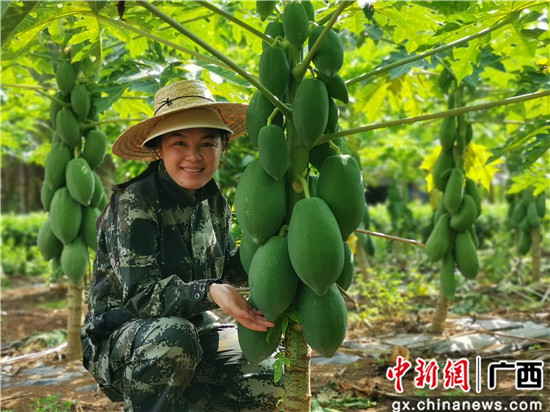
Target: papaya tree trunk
535 253
75 296
297 396
440 314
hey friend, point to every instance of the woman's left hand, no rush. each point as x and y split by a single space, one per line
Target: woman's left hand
235 305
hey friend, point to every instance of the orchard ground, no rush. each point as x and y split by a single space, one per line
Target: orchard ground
34 319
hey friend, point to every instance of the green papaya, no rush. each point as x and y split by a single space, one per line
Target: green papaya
470 188
540 201
341 187
68 128
452 197
272 280
447 280
329 57
524 242
99 191
532 215
333 112
315 244
55 107
65 215
473 234
258 111
247 250
336 87
88 229
310 10
439 241
273 29
95 147
46 194
466 215
56 138
80 101
265 8
444 80
74 260
56 163
260 203
319 153
310 111
295 24
57 270
346 277
324 319
65 77
274 71
273 151
447 133
47 243
469 132
443 164
80 180
519 212
258 346
466 255
371 247
313 184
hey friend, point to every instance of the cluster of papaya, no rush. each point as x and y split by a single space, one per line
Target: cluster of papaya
526 214
295 225
72 192
453 240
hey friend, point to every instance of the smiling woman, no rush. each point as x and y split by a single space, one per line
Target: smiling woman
166 257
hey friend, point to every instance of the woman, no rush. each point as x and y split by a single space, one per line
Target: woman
165 257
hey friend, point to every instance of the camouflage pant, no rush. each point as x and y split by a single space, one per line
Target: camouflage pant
168 364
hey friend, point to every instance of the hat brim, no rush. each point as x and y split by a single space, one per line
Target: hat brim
129 144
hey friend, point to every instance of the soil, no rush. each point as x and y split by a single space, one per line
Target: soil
30 310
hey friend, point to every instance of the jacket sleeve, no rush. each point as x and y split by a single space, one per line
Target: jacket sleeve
146 293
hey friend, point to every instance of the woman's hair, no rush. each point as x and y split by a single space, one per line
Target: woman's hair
224 135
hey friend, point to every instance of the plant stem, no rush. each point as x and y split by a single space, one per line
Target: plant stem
390 237
448 113
234 66
299 71
381 70
237 21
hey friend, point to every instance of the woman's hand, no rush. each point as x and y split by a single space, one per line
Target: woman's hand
236 306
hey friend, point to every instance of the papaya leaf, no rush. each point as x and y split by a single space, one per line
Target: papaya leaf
476 166
13 13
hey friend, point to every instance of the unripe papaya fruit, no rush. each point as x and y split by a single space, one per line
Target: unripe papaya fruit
57 271
65 215
68 128
471 189
540 201
247 250
265 8
273 29
74 260
308 7
315 244
371 247
273 151
532 215
313 185
439 241
466 215
442 166
95 147
46 194
524 242
448 282
56 163
341 187
473 234
99 191
332 122
274 71
452 197
295 24
466 255
259 110
260 203
257 346
319 153
47 243
324 319
447 133
65 77
80 101
330 55
55 107
336 87
88 229
272 280
310 111
346 277
519 212
80 180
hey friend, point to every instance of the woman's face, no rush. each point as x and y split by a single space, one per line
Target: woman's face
191 156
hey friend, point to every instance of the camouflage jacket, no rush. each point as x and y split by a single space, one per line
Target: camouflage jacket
159 249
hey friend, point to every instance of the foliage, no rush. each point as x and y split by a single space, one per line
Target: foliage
52 403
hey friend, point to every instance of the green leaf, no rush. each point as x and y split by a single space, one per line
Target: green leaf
13 13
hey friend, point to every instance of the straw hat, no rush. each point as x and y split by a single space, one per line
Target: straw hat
182 105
